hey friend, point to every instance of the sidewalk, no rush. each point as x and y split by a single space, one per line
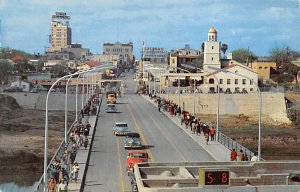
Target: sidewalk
82 156
215 149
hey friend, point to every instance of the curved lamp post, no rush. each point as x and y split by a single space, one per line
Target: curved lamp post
259 105
46 118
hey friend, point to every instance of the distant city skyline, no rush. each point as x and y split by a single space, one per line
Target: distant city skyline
170 24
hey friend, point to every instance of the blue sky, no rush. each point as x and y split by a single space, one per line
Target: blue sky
259 24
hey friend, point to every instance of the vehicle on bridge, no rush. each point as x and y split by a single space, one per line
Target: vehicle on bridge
120 128
132 140
111 108
135 156
111 97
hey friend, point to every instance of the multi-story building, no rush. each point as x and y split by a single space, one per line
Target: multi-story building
125 51
104 58
154 55
212 51
263 69
61 35
184 57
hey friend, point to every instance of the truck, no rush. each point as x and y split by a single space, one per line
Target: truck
111 97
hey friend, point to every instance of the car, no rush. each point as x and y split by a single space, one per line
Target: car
13 89
120 128
111 108
135 156
211 91
37 89
132 140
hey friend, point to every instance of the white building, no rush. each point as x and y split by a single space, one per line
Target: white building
154 55
104 58
229 83
212 51
23 84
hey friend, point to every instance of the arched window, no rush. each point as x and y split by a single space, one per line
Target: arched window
211 81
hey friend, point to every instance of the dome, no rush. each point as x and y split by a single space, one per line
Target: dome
212 30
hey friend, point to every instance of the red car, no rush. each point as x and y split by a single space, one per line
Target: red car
135 156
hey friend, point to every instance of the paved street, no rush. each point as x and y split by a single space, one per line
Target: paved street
165 142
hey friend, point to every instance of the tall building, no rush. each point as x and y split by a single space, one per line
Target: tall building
212 51
125 51
61 35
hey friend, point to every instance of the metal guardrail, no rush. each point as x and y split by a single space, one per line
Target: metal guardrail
232 144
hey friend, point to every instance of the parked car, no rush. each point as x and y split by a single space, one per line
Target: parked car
38 89
227 91
13 89
132 140
120 128
211 91
111 108
135 156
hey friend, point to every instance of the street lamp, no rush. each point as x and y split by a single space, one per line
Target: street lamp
46 116
259 105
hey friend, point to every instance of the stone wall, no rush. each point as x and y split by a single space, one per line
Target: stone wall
273 105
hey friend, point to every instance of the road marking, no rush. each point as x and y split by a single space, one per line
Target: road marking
160 129
141 134
120 162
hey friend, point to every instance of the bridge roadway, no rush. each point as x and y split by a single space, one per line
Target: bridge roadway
165 142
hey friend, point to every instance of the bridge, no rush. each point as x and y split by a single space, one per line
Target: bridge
176 155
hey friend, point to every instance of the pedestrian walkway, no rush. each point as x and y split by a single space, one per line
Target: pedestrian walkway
218 151
82 157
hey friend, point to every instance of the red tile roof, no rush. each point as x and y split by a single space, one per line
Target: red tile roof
17 58
230 66
93 63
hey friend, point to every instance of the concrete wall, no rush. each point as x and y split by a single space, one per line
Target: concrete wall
273 105
38 101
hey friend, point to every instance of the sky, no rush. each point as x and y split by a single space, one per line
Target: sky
258 24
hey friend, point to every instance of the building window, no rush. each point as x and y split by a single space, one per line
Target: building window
260 67
212 47
251 89
211 81
173 60
212 58
266 67
221 81
244 81
228 81
236 81
251 82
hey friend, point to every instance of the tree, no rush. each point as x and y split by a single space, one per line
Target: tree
224 48
59 70
202 47
243 55
5 71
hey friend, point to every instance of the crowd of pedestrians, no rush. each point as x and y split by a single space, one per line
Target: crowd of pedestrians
196 126
65 170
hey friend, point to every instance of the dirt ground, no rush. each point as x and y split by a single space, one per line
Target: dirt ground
22 141
278 142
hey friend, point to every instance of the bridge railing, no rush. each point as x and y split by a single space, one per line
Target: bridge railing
232 144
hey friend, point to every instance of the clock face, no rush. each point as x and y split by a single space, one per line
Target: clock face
216 178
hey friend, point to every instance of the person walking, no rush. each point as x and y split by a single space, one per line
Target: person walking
233 155
240 155
254 158
62 187
75 172
52 185
212 133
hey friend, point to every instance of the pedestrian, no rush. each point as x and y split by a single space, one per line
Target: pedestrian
233 155
52 185
75 172
240 155
246 158
212 133
206 136
62 187
254 158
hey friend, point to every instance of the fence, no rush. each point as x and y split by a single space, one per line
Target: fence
232 144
